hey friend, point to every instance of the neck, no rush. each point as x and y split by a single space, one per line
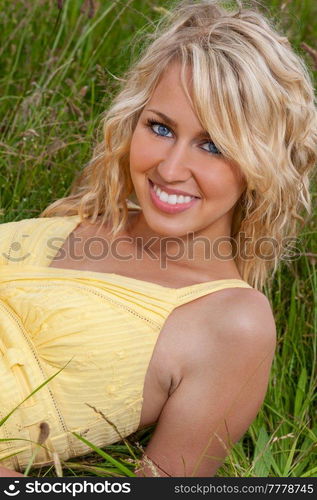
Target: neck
207 252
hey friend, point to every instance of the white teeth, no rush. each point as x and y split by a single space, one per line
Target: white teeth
172 199
163 196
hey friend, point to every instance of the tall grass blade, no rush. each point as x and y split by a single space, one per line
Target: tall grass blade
105 455
262 454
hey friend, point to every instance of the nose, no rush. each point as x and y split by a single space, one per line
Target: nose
174 167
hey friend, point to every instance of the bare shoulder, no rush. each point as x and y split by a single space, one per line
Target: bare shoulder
237 317
246 311
240 318
245 325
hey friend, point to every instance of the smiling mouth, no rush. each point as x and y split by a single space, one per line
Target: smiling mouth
173 206
177 194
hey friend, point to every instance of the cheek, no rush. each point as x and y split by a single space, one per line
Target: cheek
144 151
135 149
222 183
139 151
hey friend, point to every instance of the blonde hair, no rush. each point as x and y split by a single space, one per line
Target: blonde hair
255 98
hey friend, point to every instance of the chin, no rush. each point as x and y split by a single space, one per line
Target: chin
169 231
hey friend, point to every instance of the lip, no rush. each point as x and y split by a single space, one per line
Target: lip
166 207
173 191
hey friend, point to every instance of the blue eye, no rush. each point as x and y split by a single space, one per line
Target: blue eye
213 149
161 128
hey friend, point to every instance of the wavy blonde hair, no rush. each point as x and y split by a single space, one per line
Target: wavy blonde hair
255 98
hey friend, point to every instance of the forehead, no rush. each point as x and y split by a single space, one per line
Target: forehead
173 93
175 72
173 80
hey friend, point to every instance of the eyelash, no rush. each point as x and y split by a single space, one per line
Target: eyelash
150 123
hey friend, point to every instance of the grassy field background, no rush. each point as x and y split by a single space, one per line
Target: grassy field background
58 66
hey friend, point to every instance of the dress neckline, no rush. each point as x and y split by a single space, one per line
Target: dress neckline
125 280
122 279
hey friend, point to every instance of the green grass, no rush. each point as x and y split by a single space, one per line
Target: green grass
58 69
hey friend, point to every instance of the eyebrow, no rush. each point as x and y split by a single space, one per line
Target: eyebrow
171 122
164 117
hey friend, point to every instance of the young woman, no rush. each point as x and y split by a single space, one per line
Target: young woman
153 313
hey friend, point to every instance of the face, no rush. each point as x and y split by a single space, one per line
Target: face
170 150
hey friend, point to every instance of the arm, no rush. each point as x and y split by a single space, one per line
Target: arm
222 389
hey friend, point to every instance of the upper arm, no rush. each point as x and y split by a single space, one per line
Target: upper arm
224 383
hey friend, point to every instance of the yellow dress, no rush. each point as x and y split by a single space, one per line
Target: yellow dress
99 329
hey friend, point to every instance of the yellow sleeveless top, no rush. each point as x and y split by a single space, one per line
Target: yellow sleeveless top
99 329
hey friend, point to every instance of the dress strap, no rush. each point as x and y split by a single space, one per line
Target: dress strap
199 290
34 241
